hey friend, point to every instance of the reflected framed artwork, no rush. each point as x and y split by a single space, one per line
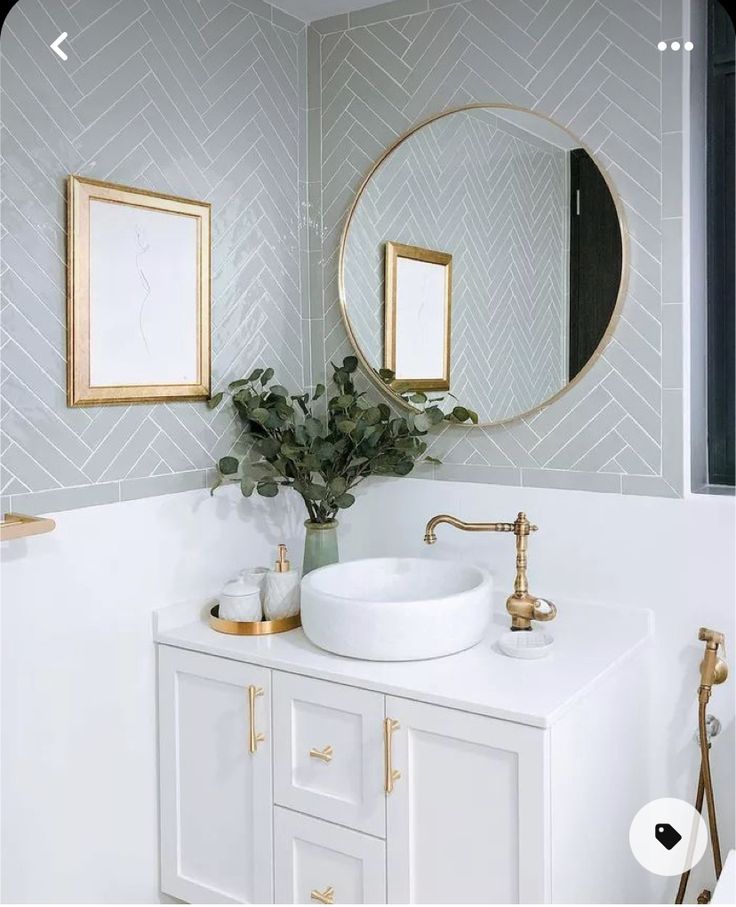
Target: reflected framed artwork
138 295
418 313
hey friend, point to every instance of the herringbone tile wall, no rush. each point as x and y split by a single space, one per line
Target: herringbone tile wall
593 66
497 198
199 98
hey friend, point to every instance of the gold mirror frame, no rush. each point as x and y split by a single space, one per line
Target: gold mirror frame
623 282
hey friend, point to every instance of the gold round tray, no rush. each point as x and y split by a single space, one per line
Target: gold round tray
252 627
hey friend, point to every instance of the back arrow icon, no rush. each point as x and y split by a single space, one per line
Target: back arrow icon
55 46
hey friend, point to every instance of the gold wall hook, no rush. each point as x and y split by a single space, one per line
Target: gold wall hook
254 737
325 755
323 897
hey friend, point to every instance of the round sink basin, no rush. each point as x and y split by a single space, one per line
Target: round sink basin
396 609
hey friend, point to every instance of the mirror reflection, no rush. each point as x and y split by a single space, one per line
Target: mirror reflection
483 257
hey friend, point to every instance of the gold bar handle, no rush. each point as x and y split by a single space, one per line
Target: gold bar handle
324 755
323 897
254 738
391 775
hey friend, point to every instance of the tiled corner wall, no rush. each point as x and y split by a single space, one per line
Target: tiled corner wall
234 102
198 98
594 66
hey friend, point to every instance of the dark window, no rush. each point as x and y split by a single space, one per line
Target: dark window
721 241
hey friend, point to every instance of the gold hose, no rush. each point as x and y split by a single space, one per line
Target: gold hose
713 670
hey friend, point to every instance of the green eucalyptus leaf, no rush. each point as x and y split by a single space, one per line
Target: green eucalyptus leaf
234 385
318 391
418 397
247 486
215 485
346 426
254 375
350 364
266 377
215 401
228 466
267 489
278 390
345 500
461 414
313 427
260 414
338 486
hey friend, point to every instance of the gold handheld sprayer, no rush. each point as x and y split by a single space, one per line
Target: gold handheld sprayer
713 670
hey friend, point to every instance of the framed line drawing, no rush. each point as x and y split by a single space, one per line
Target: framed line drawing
138 295
417 320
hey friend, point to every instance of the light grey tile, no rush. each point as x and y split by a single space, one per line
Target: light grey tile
672 439
284 20
131 489
485 475
55 500
672 260
672 75
672 348
314 75
259 7
651 486
331 24
390 10
572 481
672 176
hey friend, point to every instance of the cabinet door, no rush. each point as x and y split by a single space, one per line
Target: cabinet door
216 820
328 746
466 820
320 863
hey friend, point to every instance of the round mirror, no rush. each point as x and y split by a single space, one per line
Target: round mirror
483 258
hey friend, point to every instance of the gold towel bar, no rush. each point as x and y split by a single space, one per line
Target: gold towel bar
20 525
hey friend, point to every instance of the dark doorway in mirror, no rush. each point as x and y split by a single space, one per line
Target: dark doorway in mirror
595 259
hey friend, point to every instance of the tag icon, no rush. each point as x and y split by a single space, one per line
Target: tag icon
667 836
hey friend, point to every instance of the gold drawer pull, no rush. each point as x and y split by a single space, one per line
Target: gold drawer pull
254 738
324 897
391 775
324 755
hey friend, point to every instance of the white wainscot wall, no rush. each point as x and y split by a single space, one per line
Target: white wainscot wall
78 683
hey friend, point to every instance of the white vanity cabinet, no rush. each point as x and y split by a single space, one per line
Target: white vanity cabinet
466 790
473 778
215 776
465 819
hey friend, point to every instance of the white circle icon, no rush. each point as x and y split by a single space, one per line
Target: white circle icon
675 45
668 836
688 45
662 45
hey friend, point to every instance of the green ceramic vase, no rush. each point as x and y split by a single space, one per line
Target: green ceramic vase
320 545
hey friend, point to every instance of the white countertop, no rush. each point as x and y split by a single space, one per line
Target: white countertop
590 642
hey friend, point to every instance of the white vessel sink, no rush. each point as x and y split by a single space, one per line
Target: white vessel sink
396 609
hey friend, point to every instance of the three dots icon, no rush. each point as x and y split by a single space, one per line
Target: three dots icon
675 45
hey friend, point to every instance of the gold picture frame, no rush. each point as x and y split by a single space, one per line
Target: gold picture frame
111 230
394 253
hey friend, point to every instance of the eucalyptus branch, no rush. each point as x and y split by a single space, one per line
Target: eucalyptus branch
324 457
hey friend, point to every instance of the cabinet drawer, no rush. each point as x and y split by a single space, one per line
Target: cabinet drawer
319 863
328 745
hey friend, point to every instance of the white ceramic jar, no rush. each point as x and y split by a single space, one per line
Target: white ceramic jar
240 600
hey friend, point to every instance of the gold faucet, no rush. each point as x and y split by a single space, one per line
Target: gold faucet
523 607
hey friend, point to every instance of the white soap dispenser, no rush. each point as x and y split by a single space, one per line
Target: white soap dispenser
282 589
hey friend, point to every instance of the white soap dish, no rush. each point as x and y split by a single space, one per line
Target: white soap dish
526 644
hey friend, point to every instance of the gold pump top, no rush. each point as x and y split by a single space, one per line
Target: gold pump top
282 564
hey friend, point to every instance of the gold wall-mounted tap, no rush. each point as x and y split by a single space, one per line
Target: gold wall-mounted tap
523 607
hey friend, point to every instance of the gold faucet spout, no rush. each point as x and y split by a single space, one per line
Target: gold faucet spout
522 606
430 537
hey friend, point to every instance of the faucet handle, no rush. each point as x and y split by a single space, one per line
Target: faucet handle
544 609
